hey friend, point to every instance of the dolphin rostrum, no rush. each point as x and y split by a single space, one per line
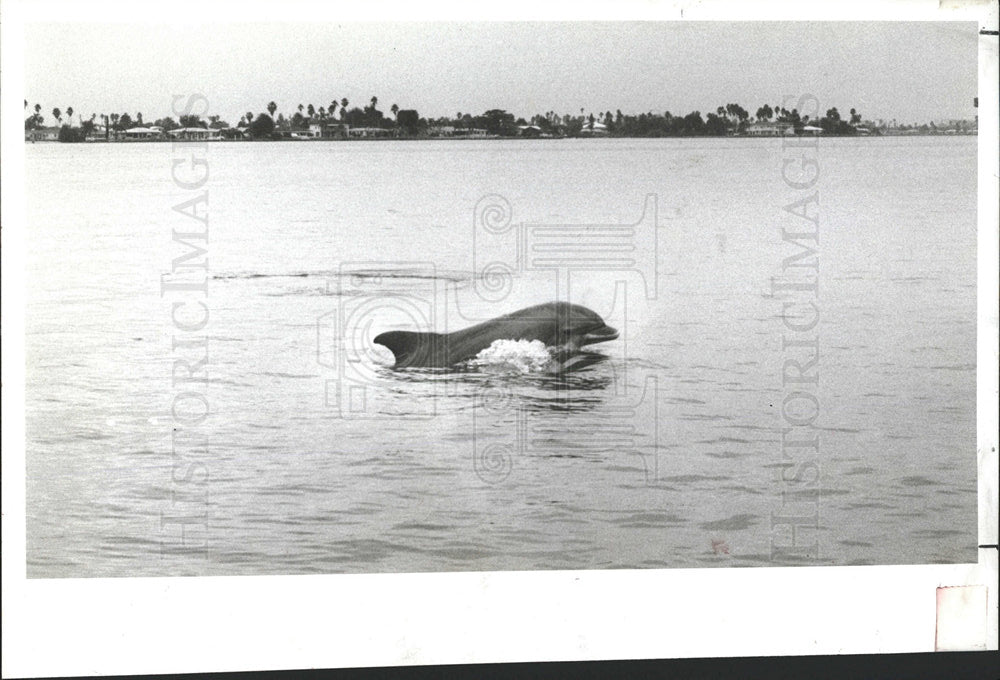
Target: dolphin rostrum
561 326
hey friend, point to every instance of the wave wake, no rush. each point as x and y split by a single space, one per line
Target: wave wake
524 356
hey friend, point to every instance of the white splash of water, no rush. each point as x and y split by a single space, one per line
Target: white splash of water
526 356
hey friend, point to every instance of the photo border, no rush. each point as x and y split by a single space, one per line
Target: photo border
169 625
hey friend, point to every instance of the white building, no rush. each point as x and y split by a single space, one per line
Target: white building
368 132
594 130
45 134
143 133
769 129
194 133
441 131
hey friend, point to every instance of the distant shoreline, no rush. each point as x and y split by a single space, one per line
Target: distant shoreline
491 139
356 124
341 122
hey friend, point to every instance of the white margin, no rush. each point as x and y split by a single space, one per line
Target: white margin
164 625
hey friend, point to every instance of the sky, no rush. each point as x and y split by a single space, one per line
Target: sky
912 72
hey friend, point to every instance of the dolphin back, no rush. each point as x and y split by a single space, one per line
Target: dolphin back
556 324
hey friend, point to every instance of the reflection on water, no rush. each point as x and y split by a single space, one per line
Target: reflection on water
526 386
659 449
579 389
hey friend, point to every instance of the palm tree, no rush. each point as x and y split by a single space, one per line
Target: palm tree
271 108
395 109
69 114
322 113
333 107
300 108
57 114
311 110
343 107
88 125
249 117
138 118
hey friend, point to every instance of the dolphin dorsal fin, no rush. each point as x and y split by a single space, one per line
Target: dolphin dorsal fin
407 346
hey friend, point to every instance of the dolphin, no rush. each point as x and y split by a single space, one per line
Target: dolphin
562 326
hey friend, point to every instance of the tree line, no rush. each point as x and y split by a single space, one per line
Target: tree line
729 119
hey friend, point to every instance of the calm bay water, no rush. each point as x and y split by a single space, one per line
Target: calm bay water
316 457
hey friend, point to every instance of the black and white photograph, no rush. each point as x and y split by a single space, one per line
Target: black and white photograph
412 302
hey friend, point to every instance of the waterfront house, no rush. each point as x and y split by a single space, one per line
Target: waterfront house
452 131
368 132
330 130
333 130
232 133
45 134
153 132
194 133
314 131
474 133
764 128
594 129
98 133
